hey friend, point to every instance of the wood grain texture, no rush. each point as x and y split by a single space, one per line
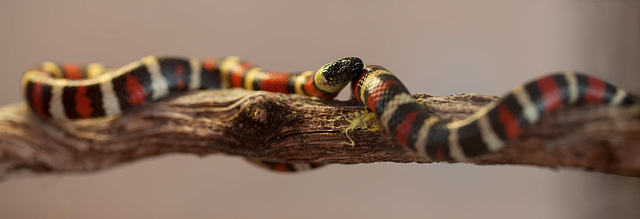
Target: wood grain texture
293 128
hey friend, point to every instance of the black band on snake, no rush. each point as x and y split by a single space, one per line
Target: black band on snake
69 91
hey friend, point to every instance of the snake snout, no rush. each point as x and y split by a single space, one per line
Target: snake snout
342 71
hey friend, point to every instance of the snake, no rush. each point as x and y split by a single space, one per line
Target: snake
63 91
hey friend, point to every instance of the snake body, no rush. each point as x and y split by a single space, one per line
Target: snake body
70 91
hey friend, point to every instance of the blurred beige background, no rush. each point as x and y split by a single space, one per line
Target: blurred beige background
439 47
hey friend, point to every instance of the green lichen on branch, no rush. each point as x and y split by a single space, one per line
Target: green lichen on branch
595 138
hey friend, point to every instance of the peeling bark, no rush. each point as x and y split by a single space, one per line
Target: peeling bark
293 128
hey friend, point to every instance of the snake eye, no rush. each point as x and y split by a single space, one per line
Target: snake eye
342 71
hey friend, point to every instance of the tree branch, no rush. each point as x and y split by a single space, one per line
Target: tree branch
293 128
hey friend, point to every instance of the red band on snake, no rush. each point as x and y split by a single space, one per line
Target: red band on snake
68 91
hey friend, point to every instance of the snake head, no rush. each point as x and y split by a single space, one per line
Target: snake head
340 72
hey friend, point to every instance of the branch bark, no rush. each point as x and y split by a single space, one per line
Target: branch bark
292 128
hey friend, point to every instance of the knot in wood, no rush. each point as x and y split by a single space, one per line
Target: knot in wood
260 121
260 115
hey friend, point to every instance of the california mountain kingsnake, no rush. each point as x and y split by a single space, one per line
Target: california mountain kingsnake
69 91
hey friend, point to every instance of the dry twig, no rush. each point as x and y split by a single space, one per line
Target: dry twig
280 127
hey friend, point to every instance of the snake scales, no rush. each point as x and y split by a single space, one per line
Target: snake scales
70 91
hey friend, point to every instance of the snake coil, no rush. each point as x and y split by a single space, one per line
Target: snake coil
70 91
